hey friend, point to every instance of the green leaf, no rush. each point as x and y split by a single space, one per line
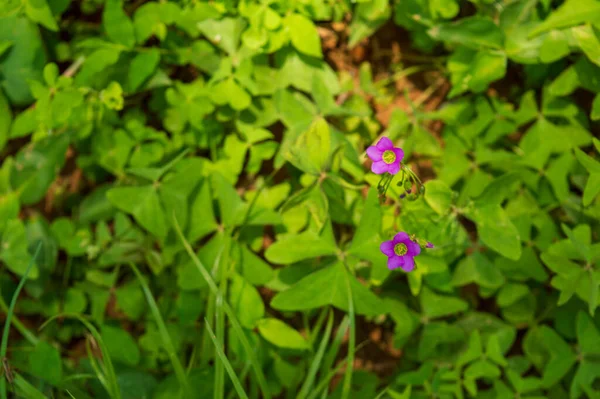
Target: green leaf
13 249
121 346
142 66
475 70
368 233
474 32
45 363
143 203
570 13
296 247
5 120
246 302
588 335
561 360
497 231
225 33
588 41
38 11
474 350
477 269
438 196
554 47
281 335
595 114
24 61
328 286
117 24
592 189
435 306
511 293
304 35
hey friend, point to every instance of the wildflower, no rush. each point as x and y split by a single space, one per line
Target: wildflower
401 251
385 157
429 245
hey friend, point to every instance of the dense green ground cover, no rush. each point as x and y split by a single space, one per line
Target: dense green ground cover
187 205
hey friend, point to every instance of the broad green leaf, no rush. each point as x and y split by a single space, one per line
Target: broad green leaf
24 61
304 35
143 203
474 32
281 335
45 363
588 335
296 247
13 249
554 47
474 350
38 11
434 305
511 293
121 346
438 196
117 24
329 286
570 13
367 237
477 269
225 33
595 114
37 165
142 66
588 41
246 302
5 120
561 360
497 231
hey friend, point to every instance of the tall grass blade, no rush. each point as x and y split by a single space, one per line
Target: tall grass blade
351 343
334 350
108 375
9 315
262 381
164 334
236 383
316 363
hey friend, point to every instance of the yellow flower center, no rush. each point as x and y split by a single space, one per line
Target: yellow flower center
400 249
389 156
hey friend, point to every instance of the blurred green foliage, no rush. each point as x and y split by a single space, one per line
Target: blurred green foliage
195 175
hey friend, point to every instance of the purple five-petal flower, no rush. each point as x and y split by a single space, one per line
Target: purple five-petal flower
385 157
401 251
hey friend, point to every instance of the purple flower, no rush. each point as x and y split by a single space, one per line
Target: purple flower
385 157
401 252
429 245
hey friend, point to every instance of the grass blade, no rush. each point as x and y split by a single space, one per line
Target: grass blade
9 315
28 390
109 377
316 363
236 383
262 381
351 343
164 334
333 351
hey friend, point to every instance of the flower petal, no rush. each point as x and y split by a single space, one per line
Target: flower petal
429 244
401 237
379 167
384 144
413 248
387 247
394 167
395 262
408 263
399 154
374 153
